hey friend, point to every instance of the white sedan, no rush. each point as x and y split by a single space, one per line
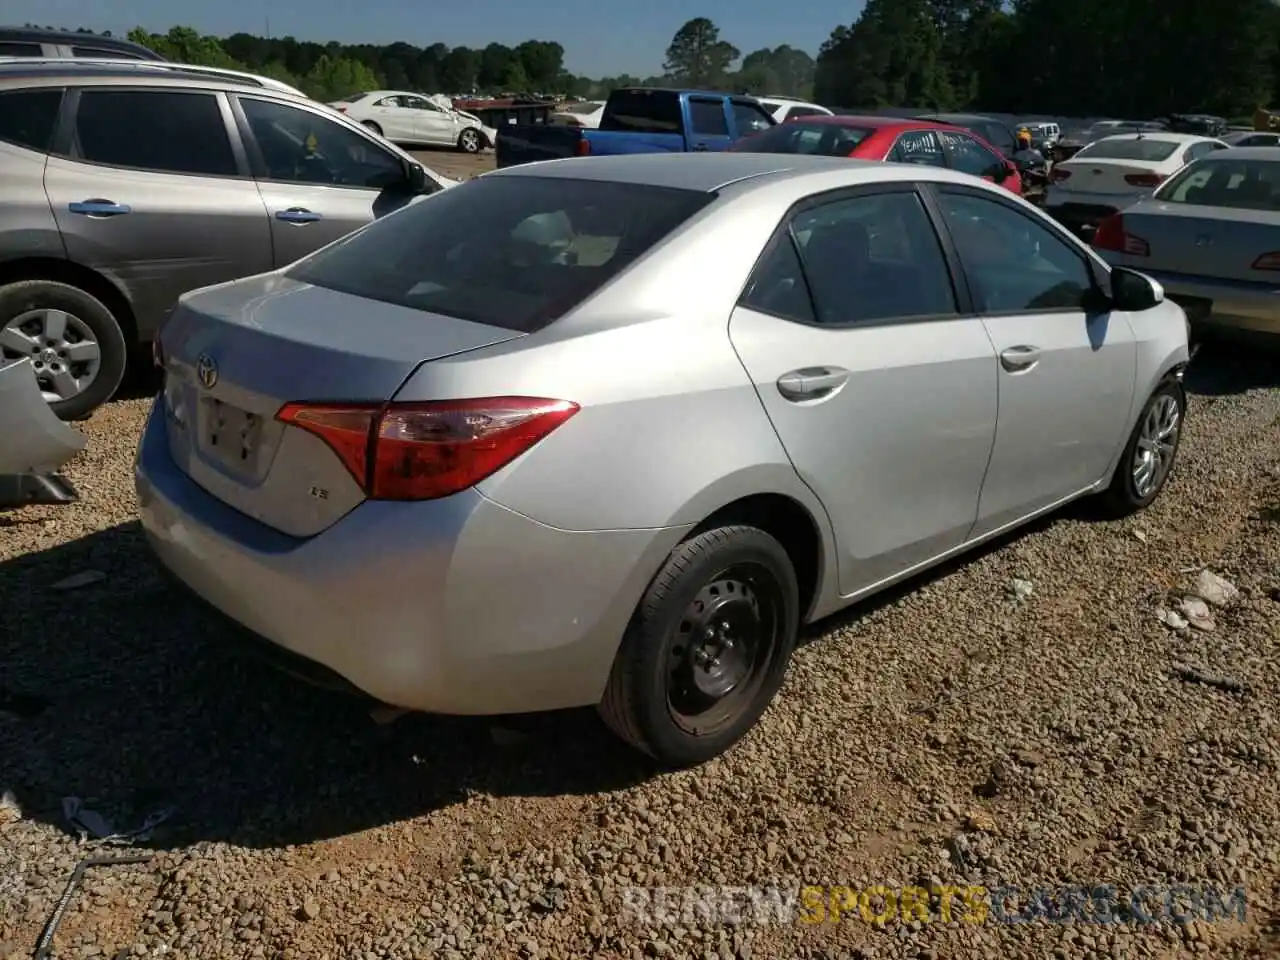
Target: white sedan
416 119
1110 174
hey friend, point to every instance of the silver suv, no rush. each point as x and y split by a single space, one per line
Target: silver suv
120 190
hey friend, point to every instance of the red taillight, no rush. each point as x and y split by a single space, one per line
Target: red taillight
1058 175
1268 261
584 147
421 451
1144 179
341 109
1111 235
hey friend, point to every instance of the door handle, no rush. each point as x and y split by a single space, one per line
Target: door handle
298 215
97 207
812 383
1020 359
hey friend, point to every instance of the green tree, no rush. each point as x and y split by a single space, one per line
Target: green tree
458 70
697 57
333 78
784 70
890 57
543 63
495 63
185 45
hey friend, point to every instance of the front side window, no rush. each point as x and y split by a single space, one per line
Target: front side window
873 258
1014 264
511 252
749 118
299 146
160 130
919 146
1221 181
28 117
706 118
967 155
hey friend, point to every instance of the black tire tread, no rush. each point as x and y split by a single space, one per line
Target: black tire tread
1115 502
619 707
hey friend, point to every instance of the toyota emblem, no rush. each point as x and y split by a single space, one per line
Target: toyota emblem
206 370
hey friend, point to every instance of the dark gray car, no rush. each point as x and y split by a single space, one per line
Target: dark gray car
119 191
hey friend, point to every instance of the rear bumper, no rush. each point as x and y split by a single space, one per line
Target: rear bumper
1219 303
452 606
1077 208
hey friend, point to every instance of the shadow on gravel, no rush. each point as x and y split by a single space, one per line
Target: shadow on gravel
121 693
1225 366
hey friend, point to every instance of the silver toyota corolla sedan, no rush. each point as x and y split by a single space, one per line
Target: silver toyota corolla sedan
608 431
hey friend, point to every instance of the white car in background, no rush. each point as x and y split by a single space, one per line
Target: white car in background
1110 174
418 119
788 108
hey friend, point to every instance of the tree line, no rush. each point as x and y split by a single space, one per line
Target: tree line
1117 58
1120 58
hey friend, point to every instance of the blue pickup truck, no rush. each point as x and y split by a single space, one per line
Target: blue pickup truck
640 120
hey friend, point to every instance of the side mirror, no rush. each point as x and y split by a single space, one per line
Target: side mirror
416 178
1132 291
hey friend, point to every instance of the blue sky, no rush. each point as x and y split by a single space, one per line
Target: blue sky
599 38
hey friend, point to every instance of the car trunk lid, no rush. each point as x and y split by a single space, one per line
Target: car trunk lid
235 354
1107 176
1205 241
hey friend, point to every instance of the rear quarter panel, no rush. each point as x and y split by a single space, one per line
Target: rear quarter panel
27 224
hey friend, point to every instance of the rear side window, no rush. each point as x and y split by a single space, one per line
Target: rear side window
821 139
513 252
21 50
100 53
642 111
1151 151
164 131
28 117
706 118
918 146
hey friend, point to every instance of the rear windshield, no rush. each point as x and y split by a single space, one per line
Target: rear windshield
1226 182
513 252
1144 149
796 136
642 111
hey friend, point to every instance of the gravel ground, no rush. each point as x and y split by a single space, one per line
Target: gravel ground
462 166
969 730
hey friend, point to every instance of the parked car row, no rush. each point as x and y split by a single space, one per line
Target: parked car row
121 188
509 390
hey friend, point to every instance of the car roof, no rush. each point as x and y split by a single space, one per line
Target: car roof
958 117
20 73
42 35
710 172
1164 135
871 122
1271 154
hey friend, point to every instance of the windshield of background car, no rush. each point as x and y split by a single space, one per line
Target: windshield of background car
1226 182
1146 149
821 139
513 252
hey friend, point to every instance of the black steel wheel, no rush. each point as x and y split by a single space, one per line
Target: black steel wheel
707 648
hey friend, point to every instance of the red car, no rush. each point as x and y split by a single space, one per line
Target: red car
887 138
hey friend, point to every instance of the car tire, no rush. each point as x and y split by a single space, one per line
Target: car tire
470 140
371 126
87 318
684 689
1153 445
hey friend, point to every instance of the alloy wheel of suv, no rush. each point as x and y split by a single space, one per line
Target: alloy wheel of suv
74 344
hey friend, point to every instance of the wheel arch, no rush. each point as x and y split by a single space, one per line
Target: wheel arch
71 273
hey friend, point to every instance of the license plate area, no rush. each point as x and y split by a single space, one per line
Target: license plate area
229 436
